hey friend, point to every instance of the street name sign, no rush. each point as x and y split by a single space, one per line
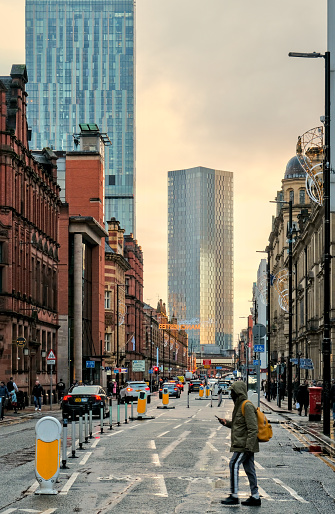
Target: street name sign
256 362
90 364
138 365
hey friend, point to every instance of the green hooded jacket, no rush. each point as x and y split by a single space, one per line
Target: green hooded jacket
244 429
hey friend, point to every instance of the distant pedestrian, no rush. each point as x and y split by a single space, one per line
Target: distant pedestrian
37 393
282 389
11 385
303 397
13 399
3 396
295 389
60 388
273 389
244 443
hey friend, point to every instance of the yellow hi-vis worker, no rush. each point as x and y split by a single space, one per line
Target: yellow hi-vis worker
142 403
165 396
47 453
201 391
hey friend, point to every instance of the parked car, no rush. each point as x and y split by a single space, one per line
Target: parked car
81 395
173 389
194 385
131 390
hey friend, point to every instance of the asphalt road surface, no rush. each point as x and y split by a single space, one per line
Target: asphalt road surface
174 463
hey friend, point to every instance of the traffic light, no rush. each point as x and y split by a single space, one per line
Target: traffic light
156 368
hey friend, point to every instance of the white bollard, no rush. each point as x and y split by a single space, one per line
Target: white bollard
47 454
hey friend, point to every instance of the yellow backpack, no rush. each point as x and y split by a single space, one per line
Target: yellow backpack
264 428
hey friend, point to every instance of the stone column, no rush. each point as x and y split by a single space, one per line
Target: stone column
78 307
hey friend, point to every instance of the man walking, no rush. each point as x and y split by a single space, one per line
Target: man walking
37 394
244 443
3 395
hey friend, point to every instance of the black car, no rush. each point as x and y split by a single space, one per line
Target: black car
81 395
194 385
173 389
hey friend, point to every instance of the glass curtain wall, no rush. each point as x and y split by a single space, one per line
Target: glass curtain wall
80 56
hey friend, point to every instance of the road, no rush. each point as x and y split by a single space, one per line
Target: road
174 463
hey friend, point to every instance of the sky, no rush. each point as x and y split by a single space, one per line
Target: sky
215 88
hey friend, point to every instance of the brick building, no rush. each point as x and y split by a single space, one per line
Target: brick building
82 259
29 246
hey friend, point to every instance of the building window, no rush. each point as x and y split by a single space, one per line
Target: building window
1 252
107 299
108 338
302 196
291 198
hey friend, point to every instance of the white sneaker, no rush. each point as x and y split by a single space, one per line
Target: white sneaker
35 408
39 409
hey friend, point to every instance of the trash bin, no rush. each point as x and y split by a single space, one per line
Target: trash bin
315 401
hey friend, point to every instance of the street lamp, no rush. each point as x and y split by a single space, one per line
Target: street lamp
117 328
326 344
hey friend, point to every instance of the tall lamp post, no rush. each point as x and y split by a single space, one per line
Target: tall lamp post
117 330
326 344
268 314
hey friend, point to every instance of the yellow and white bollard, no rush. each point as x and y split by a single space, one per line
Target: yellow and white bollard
165 399
142 404
208 391
201 391
47 453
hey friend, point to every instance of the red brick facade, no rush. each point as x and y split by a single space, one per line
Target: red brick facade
29 212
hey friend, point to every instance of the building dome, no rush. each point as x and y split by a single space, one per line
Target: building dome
294 169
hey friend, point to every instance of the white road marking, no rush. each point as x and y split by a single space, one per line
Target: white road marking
177 426
290 490
85 459
152 445
49 511
8 511
258 465
155 459
95 443
228 436
161 435
115 433
187 421
28 510
264 494
225 458
134 426
161 484
213 434
32 488
69 483
174 445
211 446
219 428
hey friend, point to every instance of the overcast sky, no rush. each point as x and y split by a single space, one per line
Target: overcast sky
215 88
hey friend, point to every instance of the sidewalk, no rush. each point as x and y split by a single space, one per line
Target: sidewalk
312 427
28 412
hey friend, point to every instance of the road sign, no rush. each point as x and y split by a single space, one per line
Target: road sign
258 332
151 371
207 362
218 367
138 365
259 348
90 364
120 370
256 362
206 366
21 341
51 356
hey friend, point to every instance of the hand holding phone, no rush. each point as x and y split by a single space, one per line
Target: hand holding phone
222 421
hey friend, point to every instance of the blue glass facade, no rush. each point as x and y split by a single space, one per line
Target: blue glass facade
200 253
80 56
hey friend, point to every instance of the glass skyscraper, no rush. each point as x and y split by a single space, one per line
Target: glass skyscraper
80 57
200 254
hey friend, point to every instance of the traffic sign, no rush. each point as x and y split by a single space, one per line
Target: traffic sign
206 362
90 364
256 362
21 341
259 348
151 371
258 332
51 356
138 365
218 367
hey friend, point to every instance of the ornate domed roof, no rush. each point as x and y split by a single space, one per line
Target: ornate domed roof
294 169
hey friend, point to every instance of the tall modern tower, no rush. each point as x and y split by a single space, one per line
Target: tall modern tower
200 254
80 57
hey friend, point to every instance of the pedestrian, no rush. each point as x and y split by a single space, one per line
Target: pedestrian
37 393
60 388
114 388
244 444
282 389
11 385
332 400
303 397
295 389
3 397
13 400
273 389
